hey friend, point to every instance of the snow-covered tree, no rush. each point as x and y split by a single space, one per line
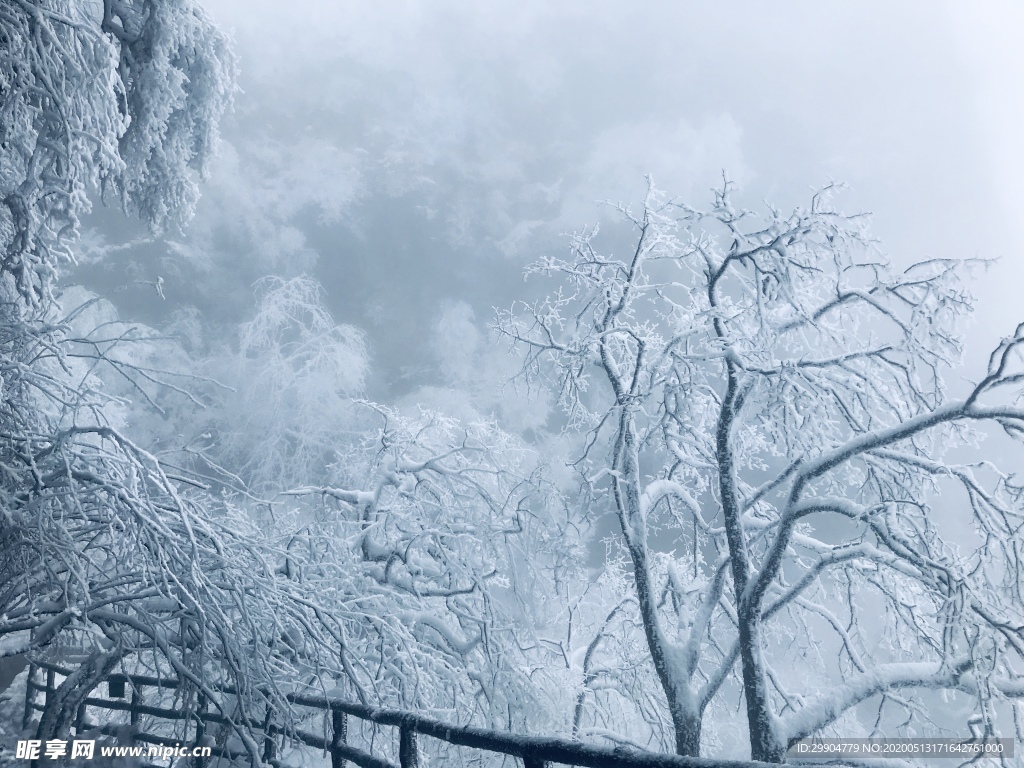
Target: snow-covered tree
766 413
439 552
124 556
432 547
121 98
287 411
104 546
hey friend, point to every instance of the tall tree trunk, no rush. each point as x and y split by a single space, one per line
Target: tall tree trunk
764 742
686 716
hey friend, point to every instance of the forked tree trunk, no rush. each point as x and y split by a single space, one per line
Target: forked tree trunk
764 741
687 726
686 716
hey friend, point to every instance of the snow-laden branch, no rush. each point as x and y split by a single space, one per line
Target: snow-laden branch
824 709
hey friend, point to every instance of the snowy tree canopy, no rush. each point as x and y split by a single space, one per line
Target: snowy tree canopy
766 412
121 98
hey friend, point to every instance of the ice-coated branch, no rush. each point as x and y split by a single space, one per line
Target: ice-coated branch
826 708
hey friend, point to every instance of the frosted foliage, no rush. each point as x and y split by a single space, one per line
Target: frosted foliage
770 390
418 577
293 376
436 555
105 548
301 339
119 96
178 71
127 560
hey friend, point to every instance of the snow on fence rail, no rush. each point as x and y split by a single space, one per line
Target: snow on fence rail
534 751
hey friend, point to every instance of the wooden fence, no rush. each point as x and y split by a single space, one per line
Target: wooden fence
533 751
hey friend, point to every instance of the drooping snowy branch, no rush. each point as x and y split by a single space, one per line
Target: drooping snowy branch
121 97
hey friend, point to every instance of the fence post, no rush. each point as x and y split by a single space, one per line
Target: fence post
30 695
115 686
269 745
408 754
133 711
200 727
339 735
49 687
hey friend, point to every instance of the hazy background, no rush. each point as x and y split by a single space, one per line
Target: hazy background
413 156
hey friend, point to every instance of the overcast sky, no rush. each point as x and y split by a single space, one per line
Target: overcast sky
415 155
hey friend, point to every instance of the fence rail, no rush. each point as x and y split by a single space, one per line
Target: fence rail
533 751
